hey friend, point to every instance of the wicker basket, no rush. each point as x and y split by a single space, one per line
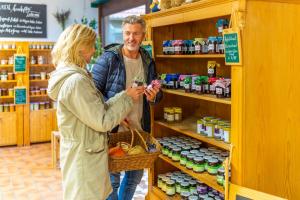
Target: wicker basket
133 162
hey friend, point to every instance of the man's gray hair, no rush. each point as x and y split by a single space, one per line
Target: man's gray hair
134 19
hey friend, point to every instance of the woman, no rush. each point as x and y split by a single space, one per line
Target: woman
83 116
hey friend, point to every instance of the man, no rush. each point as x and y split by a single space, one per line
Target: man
115 71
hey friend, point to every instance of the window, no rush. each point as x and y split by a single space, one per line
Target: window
113 24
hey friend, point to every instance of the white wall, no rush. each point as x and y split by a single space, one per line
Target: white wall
79 8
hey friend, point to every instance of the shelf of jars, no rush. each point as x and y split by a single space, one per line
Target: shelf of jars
164 196
192 56
190 127
206 97
203 177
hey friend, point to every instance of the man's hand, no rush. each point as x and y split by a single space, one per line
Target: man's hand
151 93
135 93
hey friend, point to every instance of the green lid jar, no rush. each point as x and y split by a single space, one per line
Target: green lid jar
178 184
221 176
206 159
213 166
171 189
190 161
193 187
159 181
171 147
185 195
164 183
176 154
199 165
183 157
165 150
184 187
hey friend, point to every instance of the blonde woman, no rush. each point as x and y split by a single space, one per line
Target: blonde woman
83 116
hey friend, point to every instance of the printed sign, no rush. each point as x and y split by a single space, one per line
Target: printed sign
19 63
23 20
232 45
148 46
20 95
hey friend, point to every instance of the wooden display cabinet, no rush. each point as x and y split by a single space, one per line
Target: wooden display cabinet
264 106
11 123
41 121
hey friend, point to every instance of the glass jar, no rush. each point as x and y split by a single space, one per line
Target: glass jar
199 165
193 187
176 154
197 45
193 197
202 189
1 107
188 84
185 47
165 47
171 115
206 159
171 188
195 147
179 180
171 151
221 176
209 129
11 92
164 183
226 132
191 47
47 105
184 187
204 46
212 42
217 133
220 45
165 148
159 181
42 105
185 195
183 157
200 127
213 166
178 44
10 76
190 161
178 114
6 107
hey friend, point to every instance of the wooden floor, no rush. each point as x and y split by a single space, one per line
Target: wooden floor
26 174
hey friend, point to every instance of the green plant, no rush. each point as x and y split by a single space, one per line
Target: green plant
61 17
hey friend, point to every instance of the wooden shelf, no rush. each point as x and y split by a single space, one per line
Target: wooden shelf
42 65
36 81
192 56
188 127
9 81
39 50
158 192
205 97
49 110
7 50
6 97
203 177
40 95
6 66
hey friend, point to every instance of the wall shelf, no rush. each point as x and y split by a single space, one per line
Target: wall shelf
205 97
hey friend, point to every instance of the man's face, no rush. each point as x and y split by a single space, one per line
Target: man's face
133 35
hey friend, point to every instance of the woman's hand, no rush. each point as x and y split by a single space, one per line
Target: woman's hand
151 93
135 92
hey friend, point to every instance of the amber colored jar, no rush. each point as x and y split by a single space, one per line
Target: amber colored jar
11 107
42 105
10 76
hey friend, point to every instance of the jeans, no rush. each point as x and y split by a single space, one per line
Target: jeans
129 183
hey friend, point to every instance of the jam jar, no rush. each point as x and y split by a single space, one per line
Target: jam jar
220 45
184 187
197 45
199 165
200 127
178 113
179 180
193 197
171 188
183 157
164 183
188 84
159 180
226 132
190 161
213 166
221 176
191 47
193 187
185 195
176 154
212 43
206 159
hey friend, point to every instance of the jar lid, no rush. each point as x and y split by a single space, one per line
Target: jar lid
225 154
193 197
184 184
209 153
190 156
195 146
184 153
221 170
211 194
198 159
177 149
213 161
212 148
170 182
185 194
187 147
207 158
194 151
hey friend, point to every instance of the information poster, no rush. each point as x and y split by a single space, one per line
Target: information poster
20 95
232 45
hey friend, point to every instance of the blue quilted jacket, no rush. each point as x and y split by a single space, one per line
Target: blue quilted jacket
109 75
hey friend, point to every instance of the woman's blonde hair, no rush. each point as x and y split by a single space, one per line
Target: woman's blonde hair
69 44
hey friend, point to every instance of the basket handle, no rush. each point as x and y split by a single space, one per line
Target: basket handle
139 134
143 141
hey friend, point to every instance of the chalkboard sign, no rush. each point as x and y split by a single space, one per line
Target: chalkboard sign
148 46
20 95
232 45
19 63
20 20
